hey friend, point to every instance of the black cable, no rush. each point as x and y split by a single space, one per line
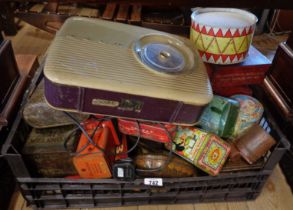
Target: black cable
102 118
68 137
83 130
93 143
137 140
77 153
90 141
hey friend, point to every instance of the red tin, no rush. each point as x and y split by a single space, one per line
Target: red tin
95 161
121 150
251 71
152 131
107 122
230 91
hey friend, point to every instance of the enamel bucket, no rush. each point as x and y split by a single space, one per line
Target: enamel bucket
221 35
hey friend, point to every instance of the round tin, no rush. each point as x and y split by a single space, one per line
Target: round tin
250 112
222 35
177 167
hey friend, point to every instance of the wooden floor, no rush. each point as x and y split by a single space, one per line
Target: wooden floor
275 196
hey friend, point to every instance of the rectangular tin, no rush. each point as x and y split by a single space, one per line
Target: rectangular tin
93 161
46 154
250 72
38 114
147 130
230 91
206 151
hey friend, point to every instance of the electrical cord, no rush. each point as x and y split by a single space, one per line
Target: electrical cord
102 151
90 138
78 153
83 130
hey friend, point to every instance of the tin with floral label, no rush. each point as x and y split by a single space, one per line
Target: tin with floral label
206 151
250 112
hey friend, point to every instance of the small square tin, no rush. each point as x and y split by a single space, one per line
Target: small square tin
206 151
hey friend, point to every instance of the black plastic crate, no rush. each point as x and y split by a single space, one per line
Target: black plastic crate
7 185
65 193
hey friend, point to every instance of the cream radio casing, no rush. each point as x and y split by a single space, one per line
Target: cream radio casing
109 68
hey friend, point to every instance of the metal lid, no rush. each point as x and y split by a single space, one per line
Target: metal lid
165 54
162 57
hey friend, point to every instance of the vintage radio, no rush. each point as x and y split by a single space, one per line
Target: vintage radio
153 131
94 158
49 151
109 68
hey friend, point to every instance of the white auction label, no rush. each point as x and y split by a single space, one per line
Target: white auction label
120 172
153 181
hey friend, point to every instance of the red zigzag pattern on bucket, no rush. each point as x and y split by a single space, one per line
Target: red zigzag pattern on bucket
218 32
227 33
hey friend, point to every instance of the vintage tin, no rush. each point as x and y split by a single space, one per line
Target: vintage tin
222 35
147 163
230 91
205 150
254 143
106 121
235 155
220 116
242 165
252 71
46 153
95 160
121 149
153 131
250 112
38 114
